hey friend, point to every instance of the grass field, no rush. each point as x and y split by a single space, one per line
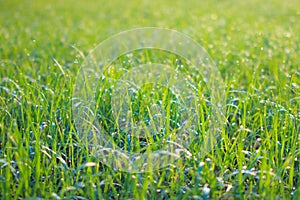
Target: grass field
256 46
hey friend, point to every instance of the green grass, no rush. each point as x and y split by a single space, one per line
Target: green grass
256 46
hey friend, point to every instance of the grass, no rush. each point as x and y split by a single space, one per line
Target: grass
256 46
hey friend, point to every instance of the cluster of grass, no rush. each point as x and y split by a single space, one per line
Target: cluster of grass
256 46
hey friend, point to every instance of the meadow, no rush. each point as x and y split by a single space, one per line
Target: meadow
256 47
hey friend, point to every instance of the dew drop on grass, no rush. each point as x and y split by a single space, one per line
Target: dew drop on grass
206 190
43 125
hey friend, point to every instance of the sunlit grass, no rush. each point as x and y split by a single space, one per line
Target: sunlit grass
254 44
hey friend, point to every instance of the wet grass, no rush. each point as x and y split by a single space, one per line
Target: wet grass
256 46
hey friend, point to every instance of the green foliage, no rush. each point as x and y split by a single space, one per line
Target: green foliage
256 47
